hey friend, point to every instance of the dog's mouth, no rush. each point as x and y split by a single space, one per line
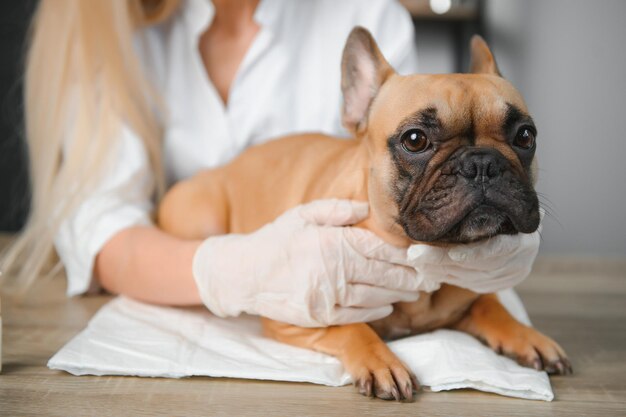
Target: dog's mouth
480 223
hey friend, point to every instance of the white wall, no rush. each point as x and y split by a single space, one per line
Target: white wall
568 57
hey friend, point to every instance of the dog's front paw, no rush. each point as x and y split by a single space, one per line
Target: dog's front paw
377 372
530 348
490 322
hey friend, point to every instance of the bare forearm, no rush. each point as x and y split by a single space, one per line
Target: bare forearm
148 264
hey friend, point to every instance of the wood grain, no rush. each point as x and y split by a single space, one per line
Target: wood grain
581 303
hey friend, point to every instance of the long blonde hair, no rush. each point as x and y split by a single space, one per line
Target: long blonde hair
82 81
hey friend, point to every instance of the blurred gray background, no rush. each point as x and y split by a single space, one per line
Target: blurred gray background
568 57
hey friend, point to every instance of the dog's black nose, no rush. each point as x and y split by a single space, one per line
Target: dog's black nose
481 164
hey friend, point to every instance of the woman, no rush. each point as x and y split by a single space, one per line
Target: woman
125 98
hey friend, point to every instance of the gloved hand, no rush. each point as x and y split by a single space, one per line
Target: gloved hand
496 264
305 269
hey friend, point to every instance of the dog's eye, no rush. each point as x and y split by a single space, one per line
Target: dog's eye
415 141
525 138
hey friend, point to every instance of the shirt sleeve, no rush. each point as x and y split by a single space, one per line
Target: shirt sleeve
392 28
122 199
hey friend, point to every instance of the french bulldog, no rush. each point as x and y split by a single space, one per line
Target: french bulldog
441 159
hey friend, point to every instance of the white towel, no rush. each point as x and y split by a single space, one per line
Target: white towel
127 337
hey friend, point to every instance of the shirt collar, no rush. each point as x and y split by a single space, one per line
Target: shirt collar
199 14
266 13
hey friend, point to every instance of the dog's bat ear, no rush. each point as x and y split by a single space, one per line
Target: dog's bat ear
363 70
482 60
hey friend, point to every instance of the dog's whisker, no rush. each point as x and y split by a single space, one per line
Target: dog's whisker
547 207
545 199
540 236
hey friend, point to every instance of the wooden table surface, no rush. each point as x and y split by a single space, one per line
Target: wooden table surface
581 303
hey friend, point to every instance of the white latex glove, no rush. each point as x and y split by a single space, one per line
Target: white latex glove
496 264
305 269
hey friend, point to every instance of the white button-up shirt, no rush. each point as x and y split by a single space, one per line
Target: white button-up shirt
288 82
